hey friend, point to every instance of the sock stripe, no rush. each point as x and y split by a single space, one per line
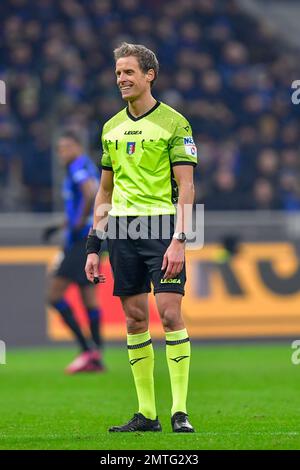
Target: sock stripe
178 341
138 346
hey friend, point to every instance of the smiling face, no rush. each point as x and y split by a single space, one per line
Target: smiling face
131 80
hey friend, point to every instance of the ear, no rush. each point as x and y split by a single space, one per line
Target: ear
150 75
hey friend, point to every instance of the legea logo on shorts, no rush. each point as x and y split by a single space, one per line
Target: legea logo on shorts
170 281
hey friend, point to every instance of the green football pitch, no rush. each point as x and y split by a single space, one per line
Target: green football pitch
241 397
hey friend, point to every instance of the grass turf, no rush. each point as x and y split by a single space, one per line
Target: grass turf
241 397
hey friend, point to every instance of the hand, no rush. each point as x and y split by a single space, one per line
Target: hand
92 269
173 259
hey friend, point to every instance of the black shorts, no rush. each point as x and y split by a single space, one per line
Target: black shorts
137 262
73 263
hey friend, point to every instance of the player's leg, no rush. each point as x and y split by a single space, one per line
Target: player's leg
89 299
178 352
56 291
140 351
71 270
141 360
168 298
131 284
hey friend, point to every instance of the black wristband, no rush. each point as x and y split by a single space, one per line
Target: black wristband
93 244
98 233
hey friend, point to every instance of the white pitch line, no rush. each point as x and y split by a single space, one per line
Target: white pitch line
253 433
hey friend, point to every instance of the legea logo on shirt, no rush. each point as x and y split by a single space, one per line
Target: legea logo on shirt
132 132
189 146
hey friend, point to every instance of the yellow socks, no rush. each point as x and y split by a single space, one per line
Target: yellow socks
141 359
178 351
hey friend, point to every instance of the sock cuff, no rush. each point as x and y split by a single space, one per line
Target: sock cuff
93 313
139 340
61 305
177 337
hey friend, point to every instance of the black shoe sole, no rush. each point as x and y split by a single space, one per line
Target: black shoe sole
184 430
136 430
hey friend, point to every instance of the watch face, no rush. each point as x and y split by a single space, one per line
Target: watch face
181 236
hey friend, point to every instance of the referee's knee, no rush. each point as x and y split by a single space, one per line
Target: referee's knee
171 319
135 326
136 321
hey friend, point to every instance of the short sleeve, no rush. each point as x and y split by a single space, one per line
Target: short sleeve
79 171
105 160
80 175
182 149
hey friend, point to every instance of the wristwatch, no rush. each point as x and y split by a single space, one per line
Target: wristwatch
180 236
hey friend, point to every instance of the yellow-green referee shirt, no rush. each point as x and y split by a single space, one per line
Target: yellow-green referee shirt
141 152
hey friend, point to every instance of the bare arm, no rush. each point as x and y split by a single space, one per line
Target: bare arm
103 200
174 257
184 175
101 209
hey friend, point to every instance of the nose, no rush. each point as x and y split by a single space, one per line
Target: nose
121 78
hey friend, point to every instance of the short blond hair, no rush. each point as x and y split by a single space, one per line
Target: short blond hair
146 58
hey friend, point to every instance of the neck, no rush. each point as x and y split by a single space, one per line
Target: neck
141 105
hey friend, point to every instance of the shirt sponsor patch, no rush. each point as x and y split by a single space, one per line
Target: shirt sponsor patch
189 146
130 148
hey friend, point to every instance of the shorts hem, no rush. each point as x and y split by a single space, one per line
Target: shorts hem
78 282
170 290
119 293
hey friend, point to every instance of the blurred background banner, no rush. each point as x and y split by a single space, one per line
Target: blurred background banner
256 295
228 66
244 283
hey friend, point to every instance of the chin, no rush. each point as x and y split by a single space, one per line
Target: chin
129 97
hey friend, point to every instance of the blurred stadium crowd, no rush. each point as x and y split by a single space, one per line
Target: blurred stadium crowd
225 71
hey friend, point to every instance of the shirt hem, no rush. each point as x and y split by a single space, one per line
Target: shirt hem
114 213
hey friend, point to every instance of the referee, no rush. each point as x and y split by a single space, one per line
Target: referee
147 165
